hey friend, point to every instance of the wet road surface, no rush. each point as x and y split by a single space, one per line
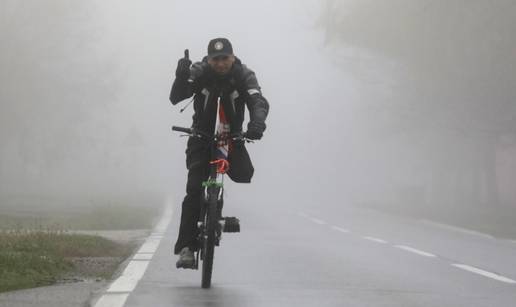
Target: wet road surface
346 257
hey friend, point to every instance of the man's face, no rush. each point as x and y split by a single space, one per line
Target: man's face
221 64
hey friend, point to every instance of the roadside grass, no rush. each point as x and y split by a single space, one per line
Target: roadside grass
38 246
95 217
38 258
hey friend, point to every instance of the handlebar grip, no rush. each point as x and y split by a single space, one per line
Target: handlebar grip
182 129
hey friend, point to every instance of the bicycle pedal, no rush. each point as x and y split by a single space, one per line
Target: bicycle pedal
190 266
231 224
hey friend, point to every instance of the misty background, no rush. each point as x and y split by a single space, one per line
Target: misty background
406 104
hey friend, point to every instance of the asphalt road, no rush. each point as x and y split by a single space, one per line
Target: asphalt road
350 257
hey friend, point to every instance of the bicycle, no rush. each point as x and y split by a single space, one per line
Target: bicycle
211 224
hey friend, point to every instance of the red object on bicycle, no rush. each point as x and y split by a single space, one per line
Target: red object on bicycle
222 165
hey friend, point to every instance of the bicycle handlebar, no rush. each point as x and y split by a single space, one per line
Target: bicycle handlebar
197 133
181 129
191 132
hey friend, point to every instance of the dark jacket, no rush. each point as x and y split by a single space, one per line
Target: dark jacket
239 88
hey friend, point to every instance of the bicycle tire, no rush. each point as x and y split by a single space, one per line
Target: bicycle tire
209 242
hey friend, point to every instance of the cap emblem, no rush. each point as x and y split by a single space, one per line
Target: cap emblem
219 46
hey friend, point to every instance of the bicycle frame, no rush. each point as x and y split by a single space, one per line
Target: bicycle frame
211 200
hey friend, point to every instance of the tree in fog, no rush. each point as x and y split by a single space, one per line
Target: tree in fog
452 91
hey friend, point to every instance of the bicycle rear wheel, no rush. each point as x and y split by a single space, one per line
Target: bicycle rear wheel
210 221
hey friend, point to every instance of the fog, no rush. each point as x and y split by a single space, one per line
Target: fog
402 105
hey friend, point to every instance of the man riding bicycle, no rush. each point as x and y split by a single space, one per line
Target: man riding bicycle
219 74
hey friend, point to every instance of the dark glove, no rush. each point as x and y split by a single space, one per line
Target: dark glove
197 70
255 130
183 67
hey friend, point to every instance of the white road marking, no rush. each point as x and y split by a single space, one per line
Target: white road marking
150 245
112 300
484 273
415 251
118 292
458 229
340 229
318 221
130 277
154 236
377 240
143 256
302 214
165 220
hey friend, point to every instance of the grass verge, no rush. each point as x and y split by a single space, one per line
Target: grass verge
38 258
95 217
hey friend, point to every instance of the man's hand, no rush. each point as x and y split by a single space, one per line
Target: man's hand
183 67
197 70
255 130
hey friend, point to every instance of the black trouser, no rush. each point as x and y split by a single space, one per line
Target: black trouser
197 163
191 209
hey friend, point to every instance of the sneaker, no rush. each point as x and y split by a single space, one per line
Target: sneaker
186 259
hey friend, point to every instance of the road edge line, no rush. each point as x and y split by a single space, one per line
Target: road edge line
119 289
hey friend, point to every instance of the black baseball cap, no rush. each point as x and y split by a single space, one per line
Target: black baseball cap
219 46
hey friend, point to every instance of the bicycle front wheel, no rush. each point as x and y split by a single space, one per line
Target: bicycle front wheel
209 240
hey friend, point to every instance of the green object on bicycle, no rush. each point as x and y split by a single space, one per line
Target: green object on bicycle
211 183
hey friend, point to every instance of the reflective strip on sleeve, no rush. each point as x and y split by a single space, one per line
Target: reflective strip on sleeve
253 91
206 94
232 97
